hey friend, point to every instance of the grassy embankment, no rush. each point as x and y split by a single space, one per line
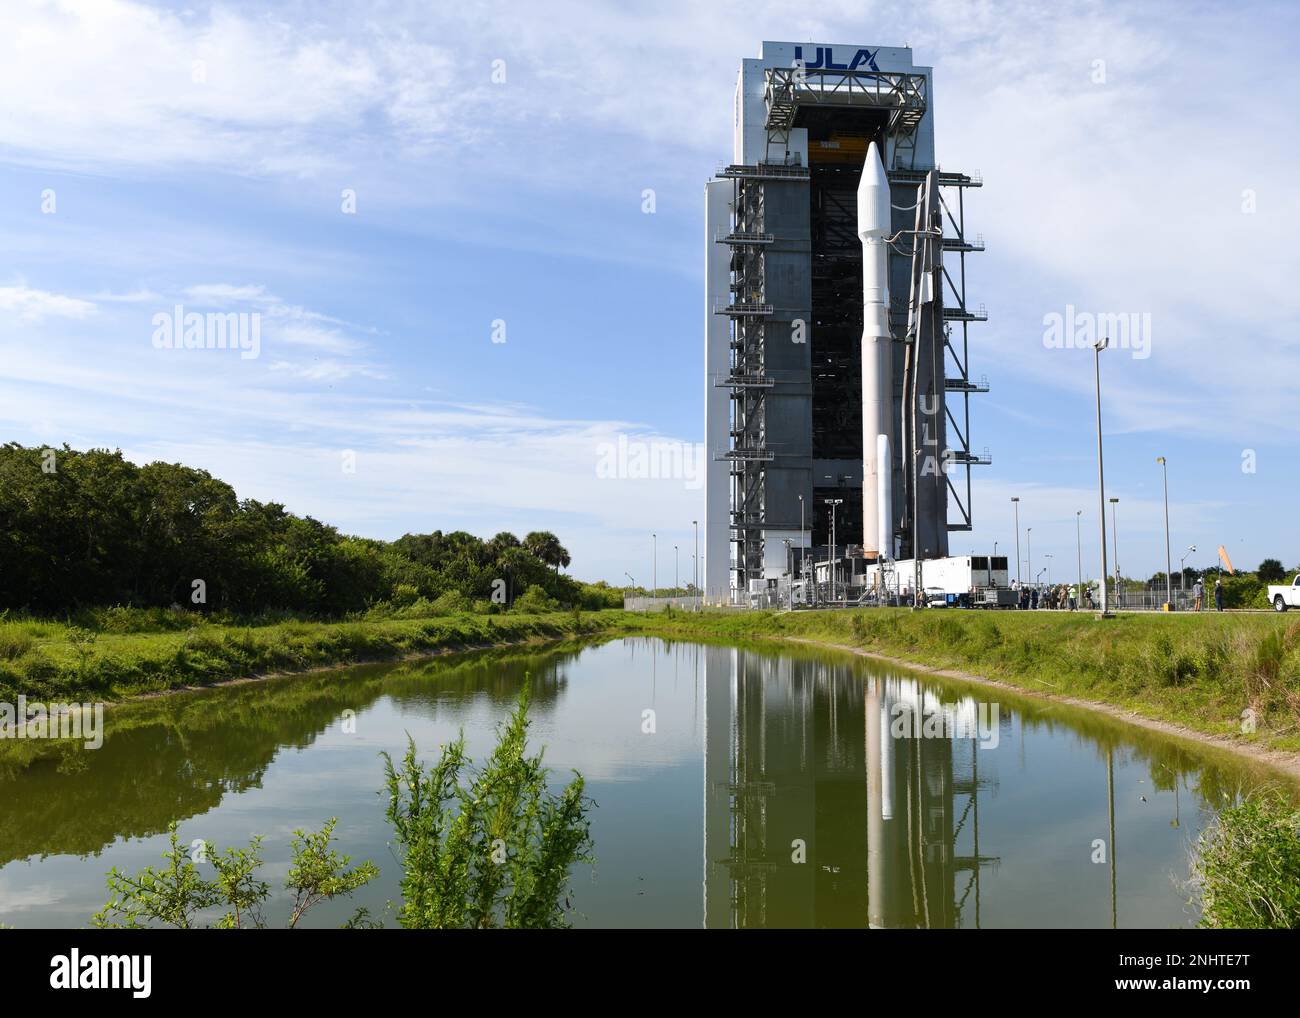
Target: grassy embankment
57 662
1198 671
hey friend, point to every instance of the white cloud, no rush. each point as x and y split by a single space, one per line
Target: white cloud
33 305
141 296
327 370
117 82
226 293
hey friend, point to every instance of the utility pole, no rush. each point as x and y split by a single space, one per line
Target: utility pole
654 565
1114 531
803 540
835 569
1078 551
1182 564
696 525
1097 348
1016 503
789 574
1169 579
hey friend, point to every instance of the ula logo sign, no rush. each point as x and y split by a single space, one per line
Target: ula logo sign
826 60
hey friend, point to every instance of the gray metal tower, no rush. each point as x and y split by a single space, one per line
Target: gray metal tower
784 292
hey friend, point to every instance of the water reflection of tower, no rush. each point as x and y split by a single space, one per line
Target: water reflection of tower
742 811
916 783
786 762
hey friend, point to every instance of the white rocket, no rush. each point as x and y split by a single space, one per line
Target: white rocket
874 225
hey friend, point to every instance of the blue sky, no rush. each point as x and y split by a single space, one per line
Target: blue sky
199 155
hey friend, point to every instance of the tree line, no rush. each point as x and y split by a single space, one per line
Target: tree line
85 529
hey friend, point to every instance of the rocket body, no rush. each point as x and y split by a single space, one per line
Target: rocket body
884 499
874 226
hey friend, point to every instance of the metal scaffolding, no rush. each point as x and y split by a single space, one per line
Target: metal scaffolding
747 379
900 95
957 367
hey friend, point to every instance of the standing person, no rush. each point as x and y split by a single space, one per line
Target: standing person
1218 595
1033 599
1198 592
1074 597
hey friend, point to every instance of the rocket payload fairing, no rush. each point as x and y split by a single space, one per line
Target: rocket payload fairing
874 227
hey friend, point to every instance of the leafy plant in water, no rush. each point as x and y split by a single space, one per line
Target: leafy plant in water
486 847
178 894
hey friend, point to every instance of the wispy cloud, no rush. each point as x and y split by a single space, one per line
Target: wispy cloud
31 305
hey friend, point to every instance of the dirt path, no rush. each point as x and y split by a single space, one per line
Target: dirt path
1287 763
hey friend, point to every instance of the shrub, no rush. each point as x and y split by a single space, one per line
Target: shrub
405 594
1171 667
491 852
535 601
1247 866
14 643
451 602
176 895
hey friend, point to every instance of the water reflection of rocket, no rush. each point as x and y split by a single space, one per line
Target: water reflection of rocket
809 782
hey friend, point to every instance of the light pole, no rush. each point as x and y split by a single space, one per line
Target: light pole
1078 551
803 539
1048 569
1016 502
1097 348
1114 531
696 562
1169 580
1191 549
1029 551
835 571
677 573
654 565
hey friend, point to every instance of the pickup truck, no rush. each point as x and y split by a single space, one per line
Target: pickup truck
1283 597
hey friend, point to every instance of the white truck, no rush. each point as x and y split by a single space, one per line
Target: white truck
1282 597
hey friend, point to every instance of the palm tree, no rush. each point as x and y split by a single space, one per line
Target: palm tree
496 547
547 547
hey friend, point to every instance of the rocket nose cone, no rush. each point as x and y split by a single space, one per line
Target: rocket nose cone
873 195
873 169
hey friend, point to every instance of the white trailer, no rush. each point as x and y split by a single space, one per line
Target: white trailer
951 577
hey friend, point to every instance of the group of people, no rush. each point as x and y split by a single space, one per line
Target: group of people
1062 597
1066 597
1198 595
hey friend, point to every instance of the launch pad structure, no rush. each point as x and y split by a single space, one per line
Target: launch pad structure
790 322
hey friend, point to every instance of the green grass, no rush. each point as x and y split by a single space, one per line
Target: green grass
1200 671
55 661
1247 866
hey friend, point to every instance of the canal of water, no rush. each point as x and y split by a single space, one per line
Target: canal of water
734 788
